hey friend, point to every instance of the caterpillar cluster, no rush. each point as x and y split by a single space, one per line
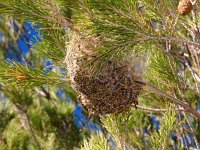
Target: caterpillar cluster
114 90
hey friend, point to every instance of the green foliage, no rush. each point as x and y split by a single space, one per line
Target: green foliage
122 128
17 138
18 74
160 140
43 11
52 47
96 142
6 115
160 74
45 14
159 67
38 122
127 25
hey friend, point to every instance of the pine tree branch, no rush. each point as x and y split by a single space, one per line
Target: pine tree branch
39 10
186 106
159 140
18 74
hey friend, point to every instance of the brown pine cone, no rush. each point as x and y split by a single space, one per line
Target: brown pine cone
184 7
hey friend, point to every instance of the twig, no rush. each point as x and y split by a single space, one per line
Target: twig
32 132
183 136
157 109
191 129
175 39
195 77
27 124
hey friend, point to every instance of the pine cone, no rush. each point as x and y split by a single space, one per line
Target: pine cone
115 89
184 7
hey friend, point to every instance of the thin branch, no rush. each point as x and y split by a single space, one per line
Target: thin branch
32 132
28 124
157 109
179 40
181 129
